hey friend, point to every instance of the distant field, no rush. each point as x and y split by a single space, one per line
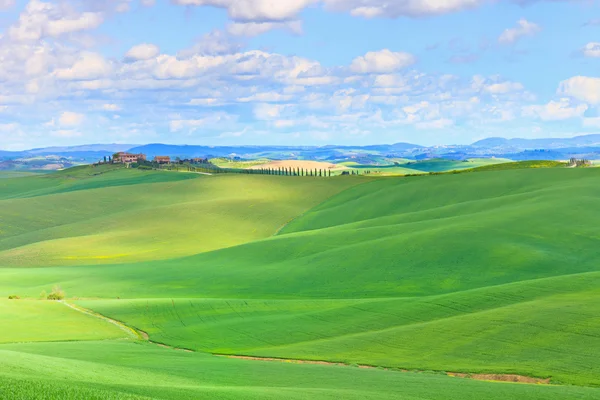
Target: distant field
17 174
228 163
408 167
494 272
307 165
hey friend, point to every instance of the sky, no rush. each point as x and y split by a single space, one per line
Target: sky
296 72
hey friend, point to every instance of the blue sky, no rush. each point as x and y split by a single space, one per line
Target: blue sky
222 72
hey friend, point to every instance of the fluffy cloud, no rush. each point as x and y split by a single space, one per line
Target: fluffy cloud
40 20
397 8
583 88
220 120
591 50
254 10
69 118
269 10
435 124
111 107
6 4
144 51
555 110
257 28
503 87
382 62
88 66
523 28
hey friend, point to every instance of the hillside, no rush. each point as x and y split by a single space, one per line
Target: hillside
492 273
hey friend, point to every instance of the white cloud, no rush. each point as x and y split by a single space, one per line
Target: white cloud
382 62
265 111
251 29
397 8
148 3
592 49
265 97
6 4
555 110
435 124
220 120
523 28
111 107
503 87
144 51
69 118
204 102
583 88
40 20
87 67
254 10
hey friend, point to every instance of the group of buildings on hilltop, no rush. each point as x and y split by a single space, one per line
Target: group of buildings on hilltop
125 158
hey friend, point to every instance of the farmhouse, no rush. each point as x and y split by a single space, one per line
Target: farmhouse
123 157
162 159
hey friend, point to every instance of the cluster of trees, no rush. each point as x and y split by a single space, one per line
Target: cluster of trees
573 162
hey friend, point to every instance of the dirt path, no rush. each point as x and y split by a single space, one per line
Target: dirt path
141 335
133 333
480 377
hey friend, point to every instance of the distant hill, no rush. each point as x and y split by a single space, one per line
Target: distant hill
549 143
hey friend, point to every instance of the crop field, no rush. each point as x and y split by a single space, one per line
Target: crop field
408 167
402 280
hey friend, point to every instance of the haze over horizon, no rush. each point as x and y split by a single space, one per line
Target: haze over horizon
297 72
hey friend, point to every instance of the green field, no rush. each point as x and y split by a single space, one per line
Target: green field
494 272
408 167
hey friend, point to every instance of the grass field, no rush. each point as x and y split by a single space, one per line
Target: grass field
182 215
494 272
122 370
408 167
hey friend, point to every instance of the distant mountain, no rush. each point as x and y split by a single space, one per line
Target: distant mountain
548 143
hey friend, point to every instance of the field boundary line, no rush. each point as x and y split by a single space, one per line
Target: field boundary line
133 333
508 378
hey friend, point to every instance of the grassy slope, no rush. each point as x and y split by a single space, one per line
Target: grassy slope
39 321
383 273
501 329
142 221
429 239
113 370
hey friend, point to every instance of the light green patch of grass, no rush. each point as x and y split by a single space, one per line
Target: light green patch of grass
152 221
45 320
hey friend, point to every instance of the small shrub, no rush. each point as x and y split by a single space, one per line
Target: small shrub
43 295
56 294
13 297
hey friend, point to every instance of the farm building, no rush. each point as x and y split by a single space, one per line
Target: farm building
162 159
123 157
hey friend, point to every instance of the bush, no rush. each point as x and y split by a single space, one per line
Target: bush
13 297
56 294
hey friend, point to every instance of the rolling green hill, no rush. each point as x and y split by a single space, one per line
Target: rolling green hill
136 220
494 272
